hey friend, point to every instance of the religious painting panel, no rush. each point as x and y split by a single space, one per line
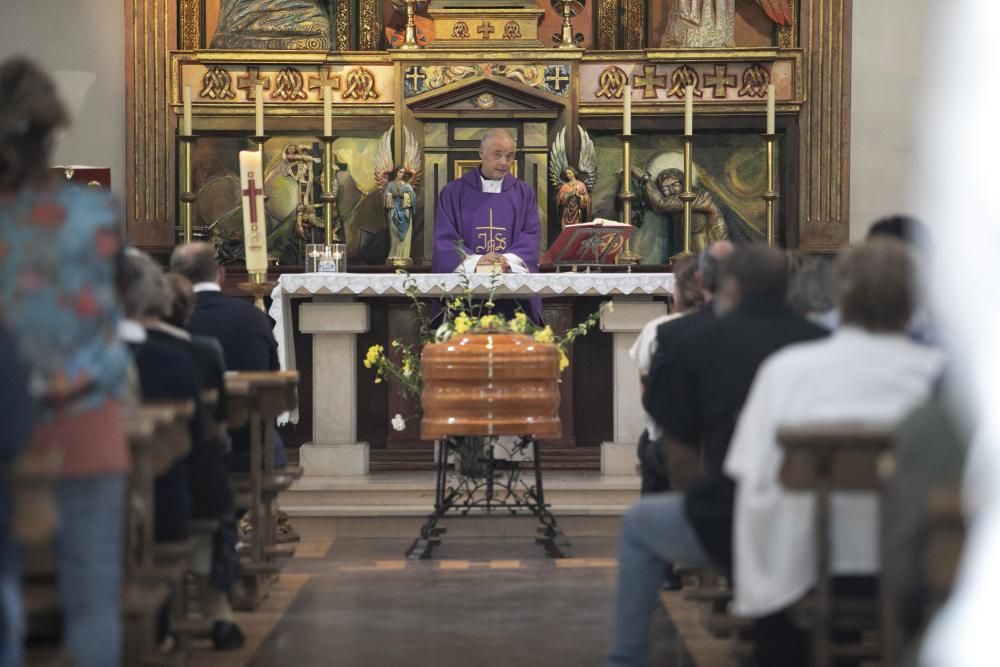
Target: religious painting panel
292 184
511 31
675 24
729 178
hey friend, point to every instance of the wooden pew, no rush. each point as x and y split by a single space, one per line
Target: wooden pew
158 437
822 459
258 398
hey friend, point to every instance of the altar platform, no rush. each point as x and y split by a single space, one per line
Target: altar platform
395 504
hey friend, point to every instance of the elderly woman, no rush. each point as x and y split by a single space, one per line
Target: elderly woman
172 366
59 247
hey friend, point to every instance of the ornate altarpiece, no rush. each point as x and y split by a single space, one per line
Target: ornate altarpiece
534 90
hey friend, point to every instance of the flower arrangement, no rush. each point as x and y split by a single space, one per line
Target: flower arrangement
460 315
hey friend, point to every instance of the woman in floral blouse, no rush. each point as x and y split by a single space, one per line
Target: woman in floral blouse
59 248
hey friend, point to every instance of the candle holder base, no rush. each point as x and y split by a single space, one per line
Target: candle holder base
258 287
683 254
628 256
399 262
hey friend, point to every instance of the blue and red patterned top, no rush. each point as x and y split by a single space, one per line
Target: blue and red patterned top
59 247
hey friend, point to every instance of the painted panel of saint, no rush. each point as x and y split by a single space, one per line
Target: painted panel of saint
274 24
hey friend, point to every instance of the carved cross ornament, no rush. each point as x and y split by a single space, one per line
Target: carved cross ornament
649 81
249 81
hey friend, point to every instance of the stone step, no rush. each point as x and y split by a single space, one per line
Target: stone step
397 504
417 489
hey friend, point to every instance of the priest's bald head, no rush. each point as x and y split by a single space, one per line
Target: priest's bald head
196 262
497 150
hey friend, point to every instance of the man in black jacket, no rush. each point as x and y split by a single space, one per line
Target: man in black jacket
697 405
243 331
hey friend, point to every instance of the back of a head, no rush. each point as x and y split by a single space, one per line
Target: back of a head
900 227
196 262
688 292
30 110
182 305
147 293
874 285
810 285
761 272
710 264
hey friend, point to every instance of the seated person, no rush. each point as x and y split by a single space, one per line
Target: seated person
148 297
867 372
243 331
714 364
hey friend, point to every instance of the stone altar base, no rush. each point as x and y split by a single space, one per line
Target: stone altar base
396 504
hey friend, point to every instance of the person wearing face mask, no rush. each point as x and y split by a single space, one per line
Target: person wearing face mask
488 219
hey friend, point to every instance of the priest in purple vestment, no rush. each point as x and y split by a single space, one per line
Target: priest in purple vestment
489 217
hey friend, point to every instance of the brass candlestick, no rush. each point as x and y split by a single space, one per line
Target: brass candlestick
625 196
331 226
687 196
566 39
259 141
259 286
770 195
410 35
187 195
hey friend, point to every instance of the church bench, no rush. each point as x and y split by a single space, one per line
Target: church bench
822 459
257 398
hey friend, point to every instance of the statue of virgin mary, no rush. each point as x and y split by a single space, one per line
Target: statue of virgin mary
274 24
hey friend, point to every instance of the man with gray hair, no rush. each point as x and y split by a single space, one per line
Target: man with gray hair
488 219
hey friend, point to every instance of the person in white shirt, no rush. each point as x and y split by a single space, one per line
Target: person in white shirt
869 372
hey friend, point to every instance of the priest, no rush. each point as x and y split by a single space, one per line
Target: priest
487 219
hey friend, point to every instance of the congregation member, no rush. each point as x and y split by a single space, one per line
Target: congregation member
13 441
244 332
172 366
867 372
688 298
489 218
662 348
810 289
60 247
714 366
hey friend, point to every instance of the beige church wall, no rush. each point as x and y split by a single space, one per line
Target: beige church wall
888 39
82 44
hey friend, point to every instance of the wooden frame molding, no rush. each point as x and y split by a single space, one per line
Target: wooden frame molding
825 162
150 34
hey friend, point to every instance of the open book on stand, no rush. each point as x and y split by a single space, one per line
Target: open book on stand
596 242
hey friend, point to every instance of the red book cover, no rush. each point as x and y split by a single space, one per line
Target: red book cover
98 177
597 242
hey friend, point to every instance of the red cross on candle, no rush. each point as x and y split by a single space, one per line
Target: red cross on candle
252 192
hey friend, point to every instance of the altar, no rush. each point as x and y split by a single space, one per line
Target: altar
338 311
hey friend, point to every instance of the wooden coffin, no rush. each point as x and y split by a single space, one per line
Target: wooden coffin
490 384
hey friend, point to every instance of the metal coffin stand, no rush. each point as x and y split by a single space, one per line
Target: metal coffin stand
471 481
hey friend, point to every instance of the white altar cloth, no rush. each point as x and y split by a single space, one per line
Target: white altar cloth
303 285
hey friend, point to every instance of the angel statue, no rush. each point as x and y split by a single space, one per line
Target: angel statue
400 193
573 194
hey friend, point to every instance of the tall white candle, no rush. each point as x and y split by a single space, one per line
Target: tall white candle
689 110
186 124
770 108
627 110
327 111
259 111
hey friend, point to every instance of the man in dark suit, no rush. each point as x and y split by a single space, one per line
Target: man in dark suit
243 331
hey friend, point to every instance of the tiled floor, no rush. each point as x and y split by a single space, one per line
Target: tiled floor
478 603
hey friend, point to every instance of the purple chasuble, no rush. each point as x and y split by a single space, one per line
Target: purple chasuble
472 222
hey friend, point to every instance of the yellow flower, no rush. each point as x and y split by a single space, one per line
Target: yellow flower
544 335
462 323
407 368
378 380
456 304
519 323
489 321
372 356
563 360
610 306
